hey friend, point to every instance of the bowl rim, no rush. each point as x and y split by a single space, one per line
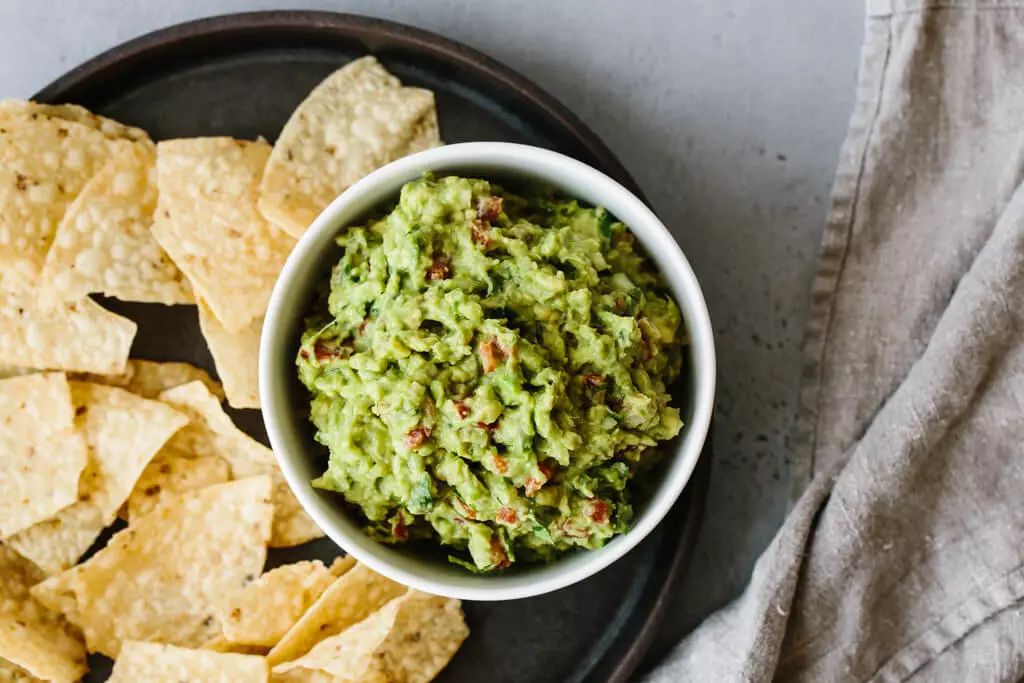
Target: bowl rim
654 236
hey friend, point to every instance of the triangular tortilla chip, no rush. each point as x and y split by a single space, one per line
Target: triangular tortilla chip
41 454
148 378
410 639
32 638
171 474
355 121
123 432
104 244
78 336
44 163
211 432
351 598
156 663
208 222
161 578
236 355
261 613
73 112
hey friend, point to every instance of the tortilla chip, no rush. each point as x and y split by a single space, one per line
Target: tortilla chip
44 163
211 432
123 432
77 336
171 474
32 638
342 565
208 222
351 598
410 639
41 454
73 112
157 663
149 378
104 243
261 613
10 673
161 578
236 355
355 121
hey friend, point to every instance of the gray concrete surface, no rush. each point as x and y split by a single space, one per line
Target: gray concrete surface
730 115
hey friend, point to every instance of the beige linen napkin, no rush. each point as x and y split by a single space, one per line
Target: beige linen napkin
904 558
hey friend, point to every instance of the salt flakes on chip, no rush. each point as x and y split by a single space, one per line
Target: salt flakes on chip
38 643
236 355
122 432
355 121
36 336
149 378
45 161
210 431
410 639
161 578
41 454
351 598
207 221
104 244
261 613
157 663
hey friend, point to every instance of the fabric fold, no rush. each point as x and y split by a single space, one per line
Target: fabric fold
903 559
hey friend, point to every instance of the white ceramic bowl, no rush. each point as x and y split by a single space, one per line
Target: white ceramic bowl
286 403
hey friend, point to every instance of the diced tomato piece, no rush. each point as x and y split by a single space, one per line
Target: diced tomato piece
507 515
534 484
598 510
461 409
593 380
498 554
324 352
398 528
481 233
415 438
488 426
440 269
489 208
491 355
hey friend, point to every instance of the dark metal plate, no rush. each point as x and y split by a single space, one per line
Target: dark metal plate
242 75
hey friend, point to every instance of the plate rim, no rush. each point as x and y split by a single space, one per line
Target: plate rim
675 550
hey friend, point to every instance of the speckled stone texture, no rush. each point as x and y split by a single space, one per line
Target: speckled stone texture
730 116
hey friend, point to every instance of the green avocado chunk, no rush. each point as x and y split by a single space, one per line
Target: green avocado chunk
488 370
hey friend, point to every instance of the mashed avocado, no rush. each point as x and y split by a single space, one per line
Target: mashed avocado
489 370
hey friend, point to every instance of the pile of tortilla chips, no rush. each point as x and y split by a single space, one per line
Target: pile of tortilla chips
91 206
87 435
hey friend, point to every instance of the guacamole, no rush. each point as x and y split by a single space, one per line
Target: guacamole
488 370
